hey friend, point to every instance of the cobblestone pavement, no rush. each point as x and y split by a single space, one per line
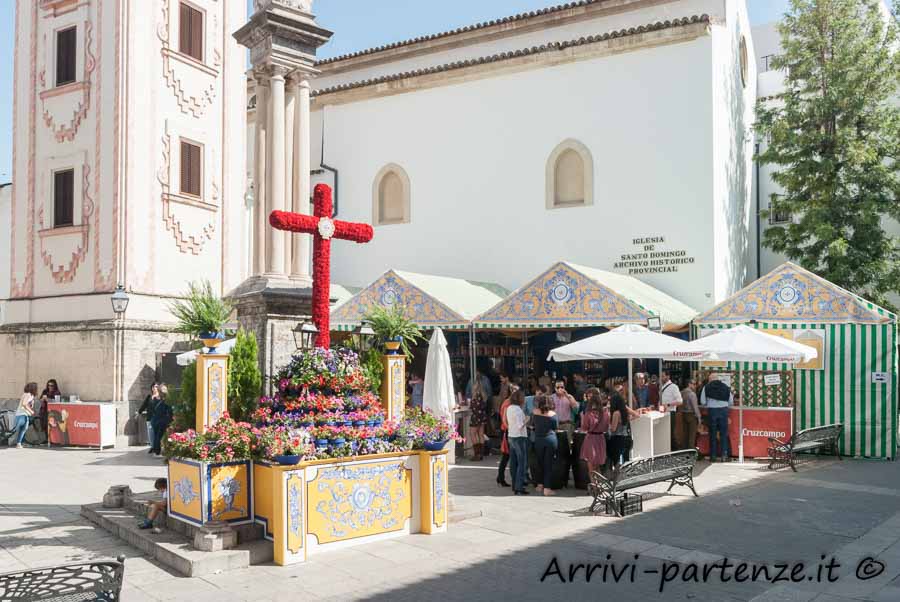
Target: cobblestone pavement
846 511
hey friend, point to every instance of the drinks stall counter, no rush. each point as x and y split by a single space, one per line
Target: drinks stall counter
81 423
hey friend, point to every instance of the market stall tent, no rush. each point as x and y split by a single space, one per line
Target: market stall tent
430 301
854 378
574 296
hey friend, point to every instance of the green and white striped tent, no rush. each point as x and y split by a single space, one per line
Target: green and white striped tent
575 296
854 381
430 301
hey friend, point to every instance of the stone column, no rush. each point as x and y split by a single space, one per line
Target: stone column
302 150
275 186
260 223
289 160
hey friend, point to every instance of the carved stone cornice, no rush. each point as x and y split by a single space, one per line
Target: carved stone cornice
283 33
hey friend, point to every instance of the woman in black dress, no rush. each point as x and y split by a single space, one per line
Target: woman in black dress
477 420
545 425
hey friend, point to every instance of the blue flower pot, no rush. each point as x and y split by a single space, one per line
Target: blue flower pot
434 445
289 460
370 423
321 442
338 442
329 423
305 424
359 423
211 340
379 421
347 423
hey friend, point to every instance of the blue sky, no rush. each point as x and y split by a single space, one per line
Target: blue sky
357 24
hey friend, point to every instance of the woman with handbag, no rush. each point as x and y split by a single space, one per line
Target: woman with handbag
504 445
477 419
620 441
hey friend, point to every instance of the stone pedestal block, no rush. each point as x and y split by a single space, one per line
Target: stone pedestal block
215 537
116 496
271 309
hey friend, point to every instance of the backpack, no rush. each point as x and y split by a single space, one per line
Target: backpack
716 389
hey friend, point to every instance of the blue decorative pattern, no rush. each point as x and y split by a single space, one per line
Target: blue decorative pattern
439 486
294 512
391 290
228 489
564 295
372 499
790 293
184 488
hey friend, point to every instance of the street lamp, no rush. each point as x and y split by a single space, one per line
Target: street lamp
119 300
305 335
362 337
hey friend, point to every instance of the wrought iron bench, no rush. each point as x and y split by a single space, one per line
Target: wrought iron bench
100 580
815 439
677 467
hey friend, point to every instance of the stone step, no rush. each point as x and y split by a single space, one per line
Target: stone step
172 548
138 504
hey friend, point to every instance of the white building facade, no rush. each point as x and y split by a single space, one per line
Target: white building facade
129 170
613 134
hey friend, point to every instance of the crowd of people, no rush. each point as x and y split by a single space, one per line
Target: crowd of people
529 420
32 409
157 413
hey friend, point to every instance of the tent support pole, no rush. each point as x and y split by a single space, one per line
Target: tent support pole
525 360
630 400
472 353
741 414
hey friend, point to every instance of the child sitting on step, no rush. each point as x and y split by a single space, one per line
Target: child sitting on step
161 485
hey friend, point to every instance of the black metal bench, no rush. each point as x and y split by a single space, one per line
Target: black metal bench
816 439
100 580
677 467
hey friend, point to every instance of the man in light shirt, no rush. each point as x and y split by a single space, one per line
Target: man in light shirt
717 397
669 400
565 404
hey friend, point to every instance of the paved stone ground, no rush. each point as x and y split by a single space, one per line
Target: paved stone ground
848 510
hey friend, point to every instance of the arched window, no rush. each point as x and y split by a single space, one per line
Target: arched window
570 176
390 196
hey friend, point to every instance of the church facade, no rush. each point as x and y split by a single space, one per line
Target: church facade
615 134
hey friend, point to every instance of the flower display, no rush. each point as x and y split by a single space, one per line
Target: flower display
224 441
421 426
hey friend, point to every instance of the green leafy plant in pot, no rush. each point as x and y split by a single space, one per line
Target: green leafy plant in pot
393 328
202 313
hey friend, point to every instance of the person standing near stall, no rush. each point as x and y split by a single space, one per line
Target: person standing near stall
717 398
162 417
146 410
545 423
689 412
669 402
641 390
565 404
504 445
620 442
595 423
518 440
477 419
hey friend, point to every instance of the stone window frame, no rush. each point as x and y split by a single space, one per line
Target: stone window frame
550 176
376 185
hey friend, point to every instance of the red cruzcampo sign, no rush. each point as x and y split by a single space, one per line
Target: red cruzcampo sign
73 424
759 425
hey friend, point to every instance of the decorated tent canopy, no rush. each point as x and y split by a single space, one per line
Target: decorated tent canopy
854 379
341 294
574 296
429 300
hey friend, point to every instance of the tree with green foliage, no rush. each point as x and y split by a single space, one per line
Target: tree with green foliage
184 409
244 378
833 139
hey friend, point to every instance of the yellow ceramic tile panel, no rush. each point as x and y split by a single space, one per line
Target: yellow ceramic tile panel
262 494
230 489
184 490
439 484
357 500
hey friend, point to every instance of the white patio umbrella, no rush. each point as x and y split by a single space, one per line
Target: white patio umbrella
629 341
438 395
189 357
744 344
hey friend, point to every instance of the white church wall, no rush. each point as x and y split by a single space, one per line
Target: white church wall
476 155
734 97
612 16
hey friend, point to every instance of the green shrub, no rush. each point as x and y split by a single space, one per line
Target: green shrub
244 378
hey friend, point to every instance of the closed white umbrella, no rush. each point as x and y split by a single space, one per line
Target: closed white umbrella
438 395
745 344
189 357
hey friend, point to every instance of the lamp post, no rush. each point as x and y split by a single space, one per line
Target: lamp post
305 335
119 300
362 337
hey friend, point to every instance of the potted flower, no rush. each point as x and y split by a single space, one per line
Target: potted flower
210 473
293 449
393 328
426 431
202 314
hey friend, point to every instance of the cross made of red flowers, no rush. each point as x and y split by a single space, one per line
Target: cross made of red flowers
323 228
